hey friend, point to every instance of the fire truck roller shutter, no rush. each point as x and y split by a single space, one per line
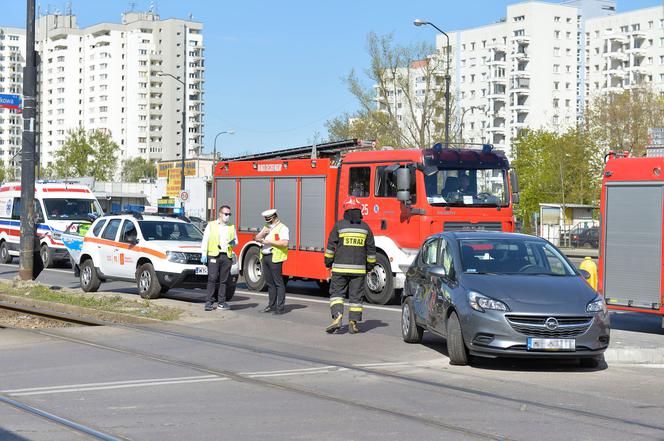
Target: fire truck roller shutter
633 254
285 201
254 197
226 195
312 214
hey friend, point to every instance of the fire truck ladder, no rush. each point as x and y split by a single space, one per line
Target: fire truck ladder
314 151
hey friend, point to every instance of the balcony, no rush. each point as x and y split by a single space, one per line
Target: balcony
620 73
497 62
498 129
498 80
521 107
521 39
496 95
520 55
640 69
622 56
636 51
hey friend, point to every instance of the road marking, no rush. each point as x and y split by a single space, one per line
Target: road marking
45 269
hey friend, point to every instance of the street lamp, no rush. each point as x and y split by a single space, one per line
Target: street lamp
184 135
562 190
214 155
419 22
463 114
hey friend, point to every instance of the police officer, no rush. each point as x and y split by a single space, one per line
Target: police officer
274 237
219 239
350 252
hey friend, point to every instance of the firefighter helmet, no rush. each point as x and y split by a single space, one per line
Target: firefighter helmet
352 203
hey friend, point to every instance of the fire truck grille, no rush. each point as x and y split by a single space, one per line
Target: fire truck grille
535 326
480 226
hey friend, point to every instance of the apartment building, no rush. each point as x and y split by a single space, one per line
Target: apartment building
12 60
111 77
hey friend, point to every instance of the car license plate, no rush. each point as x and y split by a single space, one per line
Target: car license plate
201 270
551 344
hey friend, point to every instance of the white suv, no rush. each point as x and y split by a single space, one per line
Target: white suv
157 252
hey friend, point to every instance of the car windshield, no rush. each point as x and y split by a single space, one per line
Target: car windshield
467 187
72 209
513 256
166 230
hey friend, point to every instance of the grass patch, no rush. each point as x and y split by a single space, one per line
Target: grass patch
106 303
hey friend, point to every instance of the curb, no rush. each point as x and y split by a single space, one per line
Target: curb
635 355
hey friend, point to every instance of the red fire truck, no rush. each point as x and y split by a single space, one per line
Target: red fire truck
406 196
630 260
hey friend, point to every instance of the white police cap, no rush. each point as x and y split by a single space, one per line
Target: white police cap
269 213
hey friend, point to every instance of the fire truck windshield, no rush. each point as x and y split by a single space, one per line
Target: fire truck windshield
467 187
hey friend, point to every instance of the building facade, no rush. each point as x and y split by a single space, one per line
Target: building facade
111 77
12 60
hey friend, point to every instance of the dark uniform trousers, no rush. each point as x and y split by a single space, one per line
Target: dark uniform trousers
275 282
354 284
219 270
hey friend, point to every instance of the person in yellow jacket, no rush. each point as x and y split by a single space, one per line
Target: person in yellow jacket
274 238
219 238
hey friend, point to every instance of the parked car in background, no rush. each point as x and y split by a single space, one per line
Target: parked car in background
198 222
588 238
495 294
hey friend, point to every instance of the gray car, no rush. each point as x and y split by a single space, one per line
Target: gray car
494 294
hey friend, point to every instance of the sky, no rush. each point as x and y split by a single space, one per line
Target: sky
275 69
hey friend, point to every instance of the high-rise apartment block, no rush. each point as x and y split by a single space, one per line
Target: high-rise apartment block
110 77
539 66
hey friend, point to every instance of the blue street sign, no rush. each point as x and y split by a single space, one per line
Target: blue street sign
10 101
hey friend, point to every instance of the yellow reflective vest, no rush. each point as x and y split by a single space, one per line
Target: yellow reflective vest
213 240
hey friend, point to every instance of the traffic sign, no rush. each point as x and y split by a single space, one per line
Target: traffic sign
656 136
184 195
10 101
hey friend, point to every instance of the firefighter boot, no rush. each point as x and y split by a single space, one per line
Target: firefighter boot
352 327
336 324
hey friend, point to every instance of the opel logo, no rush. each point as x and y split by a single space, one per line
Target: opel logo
551 323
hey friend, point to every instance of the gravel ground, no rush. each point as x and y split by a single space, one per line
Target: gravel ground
13 319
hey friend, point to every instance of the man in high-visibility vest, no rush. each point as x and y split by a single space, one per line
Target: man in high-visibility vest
219 239
274 237
350 252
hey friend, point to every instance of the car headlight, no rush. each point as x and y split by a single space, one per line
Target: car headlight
597 305
480 302
176 256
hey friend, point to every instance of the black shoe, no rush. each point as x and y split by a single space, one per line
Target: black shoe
208 307
267 309
278 312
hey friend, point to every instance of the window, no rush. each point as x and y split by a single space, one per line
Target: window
386 184
358 182
111 230
556 51
556 68
430 252
97 229
446 258
556 35
129 233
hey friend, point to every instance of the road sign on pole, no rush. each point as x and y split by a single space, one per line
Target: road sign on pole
10 101
184 195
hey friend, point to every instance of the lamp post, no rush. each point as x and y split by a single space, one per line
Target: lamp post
184 135
419 22
463 114
214 155
562 190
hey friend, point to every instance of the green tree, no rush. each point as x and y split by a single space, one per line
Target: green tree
556 168
137 168
86 154
367 125
620 121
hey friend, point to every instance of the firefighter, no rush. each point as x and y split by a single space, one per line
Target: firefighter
219 239
274 238
350 253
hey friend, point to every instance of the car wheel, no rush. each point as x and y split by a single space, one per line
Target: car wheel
252 270
46 256
88 276
380 282
456 348
591 362
586 245
5 257
146 280
410 330
230 287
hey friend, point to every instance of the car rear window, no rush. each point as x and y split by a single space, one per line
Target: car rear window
97 229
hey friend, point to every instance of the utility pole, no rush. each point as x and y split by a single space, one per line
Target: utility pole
28 229
184 113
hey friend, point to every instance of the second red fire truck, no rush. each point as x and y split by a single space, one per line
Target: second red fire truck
406 196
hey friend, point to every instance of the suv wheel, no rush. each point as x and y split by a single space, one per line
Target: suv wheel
146 280
88 276
456 348
410 331
5 257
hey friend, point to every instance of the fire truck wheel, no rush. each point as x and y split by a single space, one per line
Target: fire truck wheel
5 257
47 258
252 271
380 282
146 280
230 288
88 276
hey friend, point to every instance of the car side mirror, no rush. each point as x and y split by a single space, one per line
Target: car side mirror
438 270
585 274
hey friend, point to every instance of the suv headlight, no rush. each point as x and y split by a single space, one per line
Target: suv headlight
176 256
480 302
597 305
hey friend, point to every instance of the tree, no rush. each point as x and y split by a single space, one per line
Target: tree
564 168
86 154
408 83
365 125
137 168
620 121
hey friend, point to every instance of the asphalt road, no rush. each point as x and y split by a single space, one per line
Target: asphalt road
244 375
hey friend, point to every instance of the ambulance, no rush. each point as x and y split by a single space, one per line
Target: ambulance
57 205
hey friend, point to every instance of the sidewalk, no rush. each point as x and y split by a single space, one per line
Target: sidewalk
636 338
